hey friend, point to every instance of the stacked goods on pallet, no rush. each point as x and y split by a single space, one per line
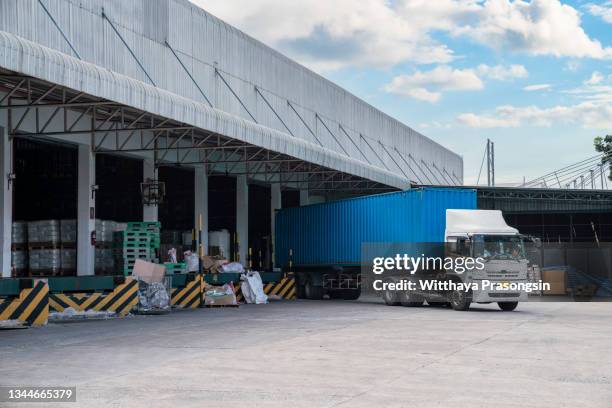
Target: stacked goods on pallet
68 238
44 233
68 260
44 247
19 249
19 233
104 260
19 261
105 230
45 262
68 232
140 240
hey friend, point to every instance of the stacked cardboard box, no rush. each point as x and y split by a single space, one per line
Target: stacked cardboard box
556 279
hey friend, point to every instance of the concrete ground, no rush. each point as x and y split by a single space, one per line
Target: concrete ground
325 354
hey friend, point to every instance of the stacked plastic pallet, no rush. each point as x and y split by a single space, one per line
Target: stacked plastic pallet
172 268
141 240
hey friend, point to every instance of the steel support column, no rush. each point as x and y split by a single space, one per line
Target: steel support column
275 204
201 206
6 203
242 218
86 211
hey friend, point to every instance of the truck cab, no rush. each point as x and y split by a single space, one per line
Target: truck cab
484 234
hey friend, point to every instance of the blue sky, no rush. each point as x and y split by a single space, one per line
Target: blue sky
533 76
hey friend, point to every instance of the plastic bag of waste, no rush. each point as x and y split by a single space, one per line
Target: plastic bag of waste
252 288
192 261
232 267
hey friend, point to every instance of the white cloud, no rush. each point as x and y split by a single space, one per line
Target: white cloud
501 73
539 27
381 33
587 114
597 89
604 10
572 66
537 87
429 85
595 78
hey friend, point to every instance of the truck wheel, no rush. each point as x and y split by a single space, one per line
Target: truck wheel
507 306
411 300
313 292
390 297
460 300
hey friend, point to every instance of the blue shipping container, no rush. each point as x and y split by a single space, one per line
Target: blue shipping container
332 233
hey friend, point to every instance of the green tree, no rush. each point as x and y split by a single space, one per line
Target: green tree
604 145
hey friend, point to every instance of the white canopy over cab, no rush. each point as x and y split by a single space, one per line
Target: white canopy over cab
469 222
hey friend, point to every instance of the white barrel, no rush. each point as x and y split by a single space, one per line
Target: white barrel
220 239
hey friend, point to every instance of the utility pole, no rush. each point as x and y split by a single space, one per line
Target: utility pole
582 182
592 179
490 163
601 175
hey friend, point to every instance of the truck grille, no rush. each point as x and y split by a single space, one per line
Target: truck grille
504 295
503 275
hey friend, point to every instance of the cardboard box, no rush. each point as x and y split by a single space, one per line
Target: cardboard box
148 271
556 279
224 300
213 264
208 262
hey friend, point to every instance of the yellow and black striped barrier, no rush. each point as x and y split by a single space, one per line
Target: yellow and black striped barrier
285 289
190 296
30 307
121 300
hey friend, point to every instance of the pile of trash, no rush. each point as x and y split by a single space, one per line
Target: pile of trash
153 297
153 288
70 313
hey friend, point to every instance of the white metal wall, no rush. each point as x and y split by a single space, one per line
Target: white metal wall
204 43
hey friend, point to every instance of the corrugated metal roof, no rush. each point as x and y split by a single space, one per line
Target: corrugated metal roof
26 57
218 56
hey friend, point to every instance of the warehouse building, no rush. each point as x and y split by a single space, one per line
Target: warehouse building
107 105
553 215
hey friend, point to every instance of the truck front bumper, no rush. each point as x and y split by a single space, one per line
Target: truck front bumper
493 295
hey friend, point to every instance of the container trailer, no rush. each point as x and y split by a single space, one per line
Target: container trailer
322 244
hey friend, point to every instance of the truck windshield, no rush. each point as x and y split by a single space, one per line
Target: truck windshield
499 247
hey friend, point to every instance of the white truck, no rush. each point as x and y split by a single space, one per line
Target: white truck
480 234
